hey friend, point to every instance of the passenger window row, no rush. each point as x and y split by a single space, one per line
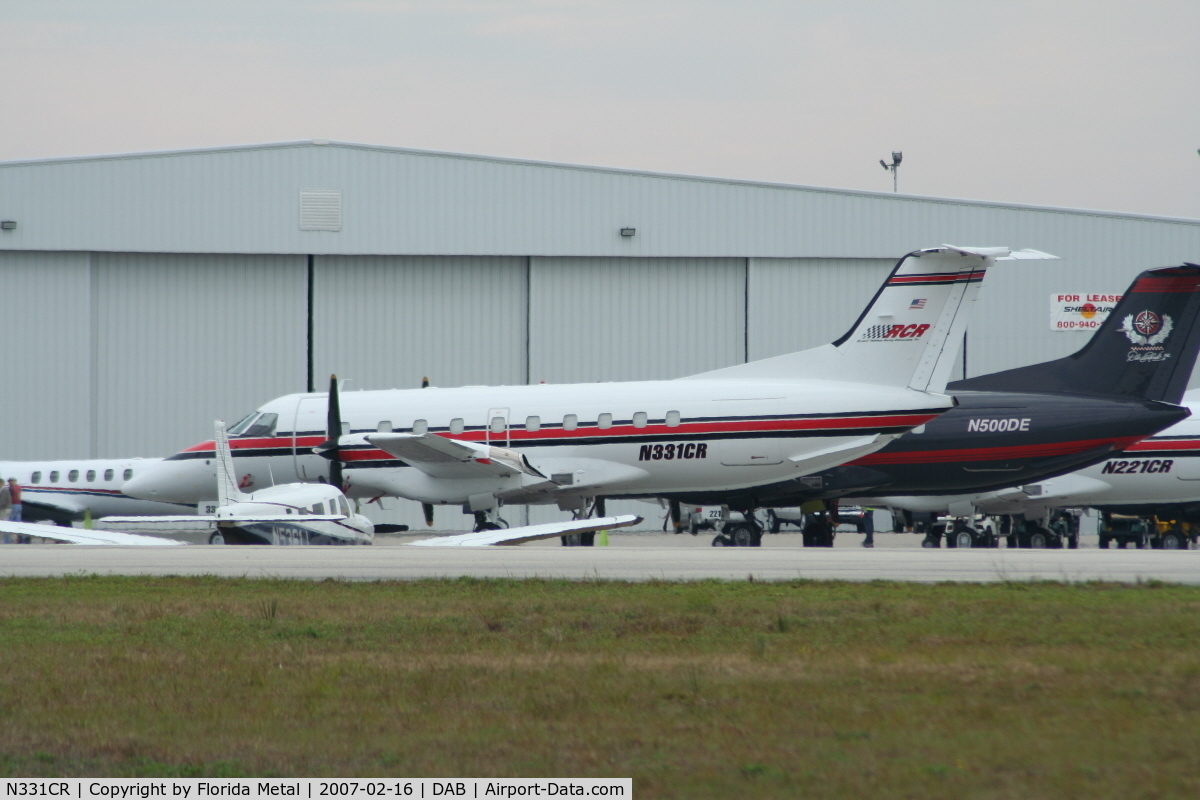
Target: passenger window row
533 424
73 476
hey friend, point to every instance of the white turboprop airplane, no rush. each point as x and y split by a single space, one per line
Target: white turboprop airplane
746 425
291 514
62 491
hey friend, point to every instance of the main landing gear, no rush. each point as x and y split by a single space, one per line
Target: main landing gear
488 521
596 509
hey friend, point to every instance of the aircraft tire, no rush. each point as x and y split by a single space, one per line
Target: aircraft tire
773 523
928 541
587 539
1073 541
1038 540
216 538
1105 540
1011 540
964 539
721 540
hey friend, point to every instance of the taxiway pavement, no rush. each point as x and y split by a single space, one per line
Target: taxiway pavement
639 557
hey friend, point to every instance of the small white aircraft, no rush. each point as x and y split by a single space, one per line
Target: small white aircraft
291 514
572 445
63 491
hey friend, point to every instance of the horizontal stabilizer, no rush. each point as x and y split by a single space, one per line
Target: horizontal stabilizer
529 533
83 535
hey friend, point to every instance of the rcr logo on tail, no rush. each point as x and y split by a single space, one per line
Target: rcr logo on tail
895 333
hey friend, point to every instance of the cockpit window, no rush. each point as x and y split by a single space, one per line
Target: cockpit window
263 426
242 423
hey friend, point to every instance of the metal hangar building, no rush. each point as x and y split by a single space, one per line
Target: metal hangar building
147 294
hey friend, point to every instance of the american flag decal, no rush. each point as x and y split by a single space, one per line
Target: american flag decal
917 305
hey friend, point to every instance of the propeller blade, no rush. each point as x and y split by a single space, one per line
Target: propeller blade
333 429
428 509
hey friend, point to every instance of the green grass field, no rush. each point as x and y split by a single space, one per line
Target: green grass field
694 690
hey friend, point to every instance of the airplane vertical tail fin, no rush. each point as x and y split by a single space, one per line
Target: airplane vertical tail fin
1145 349
227 483
908 335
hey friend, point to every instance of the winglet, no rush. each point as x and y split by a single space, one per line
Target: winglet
227 484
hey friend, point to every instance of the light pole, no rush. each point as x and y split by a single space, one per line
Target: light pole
897 157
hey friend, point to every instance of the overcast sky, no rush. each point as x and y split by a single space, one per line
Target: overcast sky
1085 104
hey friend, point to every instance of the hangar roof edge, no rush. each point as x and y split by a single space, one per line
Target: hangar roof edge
592 168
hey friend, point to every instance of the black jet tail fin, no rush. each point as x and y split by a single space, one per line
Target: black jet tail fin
1145 349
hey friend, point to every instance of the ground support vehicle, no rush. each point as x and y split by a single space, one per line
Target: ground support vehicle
977 531
1150 531
733 528
1062 530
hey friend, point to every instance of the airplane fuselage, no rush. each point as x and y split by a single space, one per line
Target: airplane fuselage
615 439
989 441
64 490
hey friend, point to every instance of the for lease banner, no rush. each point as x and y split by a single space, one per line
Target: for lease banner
1081 311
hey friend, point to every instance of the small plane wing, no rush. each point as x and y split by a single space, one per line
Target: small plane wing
46 501
443 457
84 535
529 533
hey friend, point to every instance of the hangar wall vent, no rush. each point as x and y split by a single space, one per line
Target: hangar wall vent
320 209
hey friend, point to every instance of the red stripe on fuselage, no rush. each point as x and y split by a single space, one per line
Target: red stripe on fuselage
991 453
698 429
1165 444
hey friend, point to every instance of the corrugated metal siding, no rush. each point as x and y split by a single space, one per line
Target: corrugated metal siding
798 303
183 340
608 319
46 339
399 202
387 322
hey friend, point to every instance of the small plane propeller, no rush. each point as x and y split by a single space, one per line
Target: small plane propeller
333 430
428 509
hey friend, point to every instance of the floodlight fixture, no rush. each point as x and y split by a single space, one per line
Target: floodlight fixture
897 157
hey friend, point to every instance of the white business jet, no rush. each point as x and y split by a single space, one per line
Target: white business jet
64 491
751 424
289 514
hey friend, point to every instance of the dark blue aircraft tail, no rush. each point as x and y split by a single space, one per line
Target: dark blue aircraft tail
1145 349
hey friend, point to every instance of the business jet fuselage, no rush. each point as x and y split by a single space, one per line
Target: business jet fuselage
64 491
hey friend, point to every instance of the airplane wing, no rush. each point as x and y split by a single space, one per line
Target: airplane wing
838 454
83 535
529 533
43 500
443 457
